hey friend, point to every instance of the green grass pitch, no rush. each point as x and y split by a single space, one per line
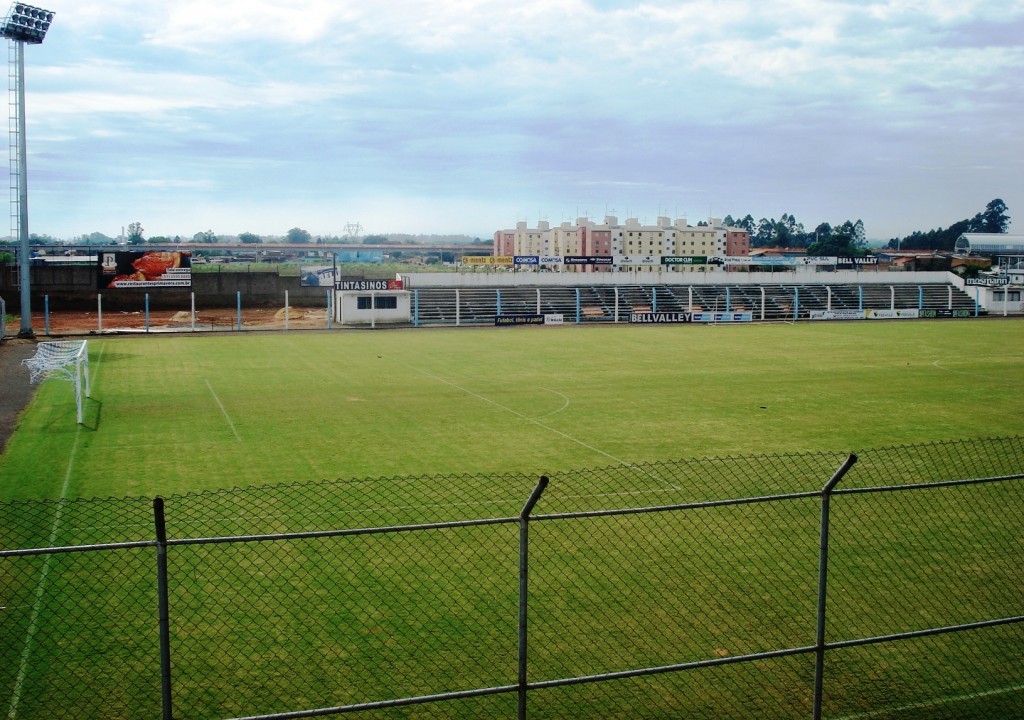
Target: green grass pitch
177 414
281 626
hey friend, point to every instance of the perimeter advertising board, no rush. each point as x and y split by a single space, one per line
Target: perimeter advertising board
588 260
154 269
660 317
723 317
506 320
489 260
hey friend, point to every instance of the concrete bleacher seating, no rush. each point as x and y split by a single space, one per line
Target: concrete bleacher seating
599 303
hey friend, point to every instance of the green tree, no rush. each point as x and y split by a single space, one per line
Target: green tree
208 237
249 238
375 240
298 236
159 240
135 234
993 220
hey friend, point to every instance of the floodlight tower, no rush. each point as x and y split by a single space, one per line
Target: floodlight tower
22 24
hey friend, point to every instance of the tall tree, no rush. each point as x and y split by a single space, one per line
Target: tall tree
249 238
298 235
135 233
208 237
994 218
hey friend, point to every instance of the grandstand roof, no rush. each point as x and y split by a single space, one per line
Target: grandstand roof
991 243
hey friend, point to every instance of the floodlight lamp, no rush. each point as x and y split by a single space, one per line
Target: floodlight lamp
26 23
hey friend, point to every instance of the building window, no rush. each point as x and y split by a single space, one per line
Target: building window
385 302
363 302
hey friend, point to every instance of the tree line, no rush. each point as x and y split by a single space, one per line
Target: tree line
848 238
993 219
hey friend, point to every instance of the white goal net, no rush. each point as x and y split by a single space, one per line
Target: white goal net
64 359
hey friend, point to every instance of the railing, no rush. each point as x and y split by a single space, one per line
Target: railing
783 586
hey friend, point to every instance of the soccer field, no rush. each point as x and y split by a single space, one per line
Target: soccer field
287 624
173 414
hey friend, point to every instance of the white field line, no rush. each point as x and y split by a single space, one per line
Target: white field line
565 404
538 423
223 410
897 711
940 365
33 623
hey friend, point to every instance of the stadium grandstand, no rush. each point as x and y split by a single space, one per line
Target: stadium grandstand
447 305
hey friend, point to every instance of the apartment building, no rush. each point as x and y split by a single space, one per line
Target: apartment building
671 246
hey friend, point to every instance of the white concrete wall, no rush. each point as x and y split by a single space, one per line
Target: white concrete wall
985 297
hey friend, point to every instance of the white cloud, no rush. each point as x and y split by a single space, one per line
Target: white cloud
507 105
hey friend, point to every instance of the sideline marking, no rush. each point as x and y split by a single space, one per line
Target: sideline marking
957 358
931 703
223 410
33 624
538 423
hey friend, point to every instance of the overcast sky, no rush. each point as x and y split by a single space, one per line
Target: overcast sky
466 116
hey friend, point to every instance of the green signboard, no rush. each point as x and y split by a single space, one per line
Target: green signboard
684 260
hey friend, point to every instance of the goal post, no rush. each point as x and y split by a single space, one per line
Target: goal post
64 359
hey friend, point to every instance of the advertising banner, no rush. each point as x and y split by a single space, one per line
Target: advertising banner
504 320
987 281
525 259
684 260
317 276
904 314
636 260
660 317
763 260
837 315
588 260
554 319
367 285
866 260
718 317
145 270
488 260
550 259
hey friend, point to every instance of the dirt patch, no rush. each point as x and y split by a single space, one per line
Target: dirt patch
15 391
221 319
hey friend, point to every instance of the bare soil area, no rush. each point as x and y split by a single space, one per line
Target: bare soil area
90 323
15 391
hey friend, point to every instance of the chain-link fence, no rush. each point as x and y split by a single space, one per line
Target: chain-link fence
884 584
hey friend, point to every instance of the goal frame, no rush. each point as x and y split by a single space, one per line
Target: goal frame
67 360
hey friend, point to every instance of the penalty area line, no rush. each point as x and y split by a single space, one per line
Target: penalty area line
896 711
223 410
33 623
538 423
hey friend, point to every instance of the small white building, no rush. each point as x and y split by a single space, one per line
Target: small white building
372 307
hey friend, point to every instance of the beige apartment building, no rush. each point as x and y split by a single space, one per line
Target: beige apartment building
673 246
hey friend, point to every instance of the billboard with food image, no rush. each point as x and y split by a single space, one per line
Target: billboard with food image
152 269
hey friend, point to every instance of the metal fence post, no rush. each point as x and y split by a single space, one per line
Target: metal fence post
524 556
165 629
826 497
